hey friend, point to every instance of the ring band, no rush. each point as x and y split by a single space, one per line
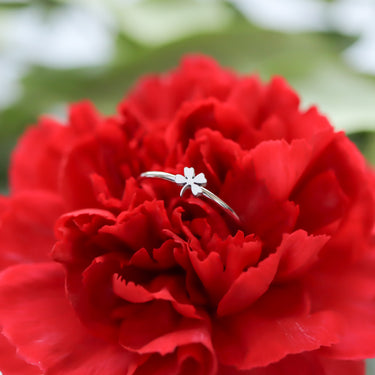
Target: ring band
195 182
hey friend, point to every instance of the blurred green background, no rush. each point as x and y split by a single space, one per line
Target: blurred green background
56 52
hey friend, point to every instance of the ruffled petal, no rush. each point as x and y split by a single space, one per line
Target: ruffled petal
279 324
73 231
322 201
162 288
349 289
131 226
249 286
100 153
213 154
38 157
26 226
259 211
158 99
307 364
44 328
299 252
11 363
139 333
280 165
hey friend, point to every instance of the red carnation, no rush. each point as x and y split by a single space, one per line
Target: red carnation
105 273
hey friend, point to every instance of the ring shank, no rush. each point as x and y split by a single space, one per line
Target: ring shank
156 174
219 202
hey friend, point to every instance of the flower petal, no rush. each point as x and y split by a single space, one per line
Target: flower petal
249 286
299 252
160 289
322 201
11 363
197 77
104 152
26 227
260 212
38 157
308 364
44 328
280 165
349 288
212 154
169 336
131 226
278 324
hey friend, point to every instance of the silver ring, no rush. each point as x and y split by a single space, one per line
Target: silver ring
196 184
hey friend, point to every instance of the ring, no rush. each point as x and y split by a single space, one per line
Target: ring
196 184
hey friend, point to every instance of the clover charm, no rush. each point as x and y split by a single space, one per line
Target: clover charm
191 180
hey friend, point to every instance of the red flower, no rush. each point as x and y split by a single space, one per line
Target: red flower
139 281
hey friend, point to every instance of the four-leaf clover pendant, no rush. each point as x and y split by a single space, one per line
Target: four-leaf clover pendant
190 180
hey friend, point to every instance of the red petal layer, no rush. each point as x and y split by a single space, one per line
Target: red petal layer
26 227
259 211
213 155
11 363
225 262
38 156
197 77
349 289
321 202
131 226
249 286
299 251
44 328
308 364
280 165
279 324
99 153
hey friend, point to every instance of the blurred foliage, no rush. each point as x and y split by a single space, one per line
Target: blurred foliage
11 4
310 62
370 367
365 141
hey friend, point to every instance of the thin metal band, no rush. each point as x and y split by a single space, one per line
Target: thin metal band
163 175
189 182
219 202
